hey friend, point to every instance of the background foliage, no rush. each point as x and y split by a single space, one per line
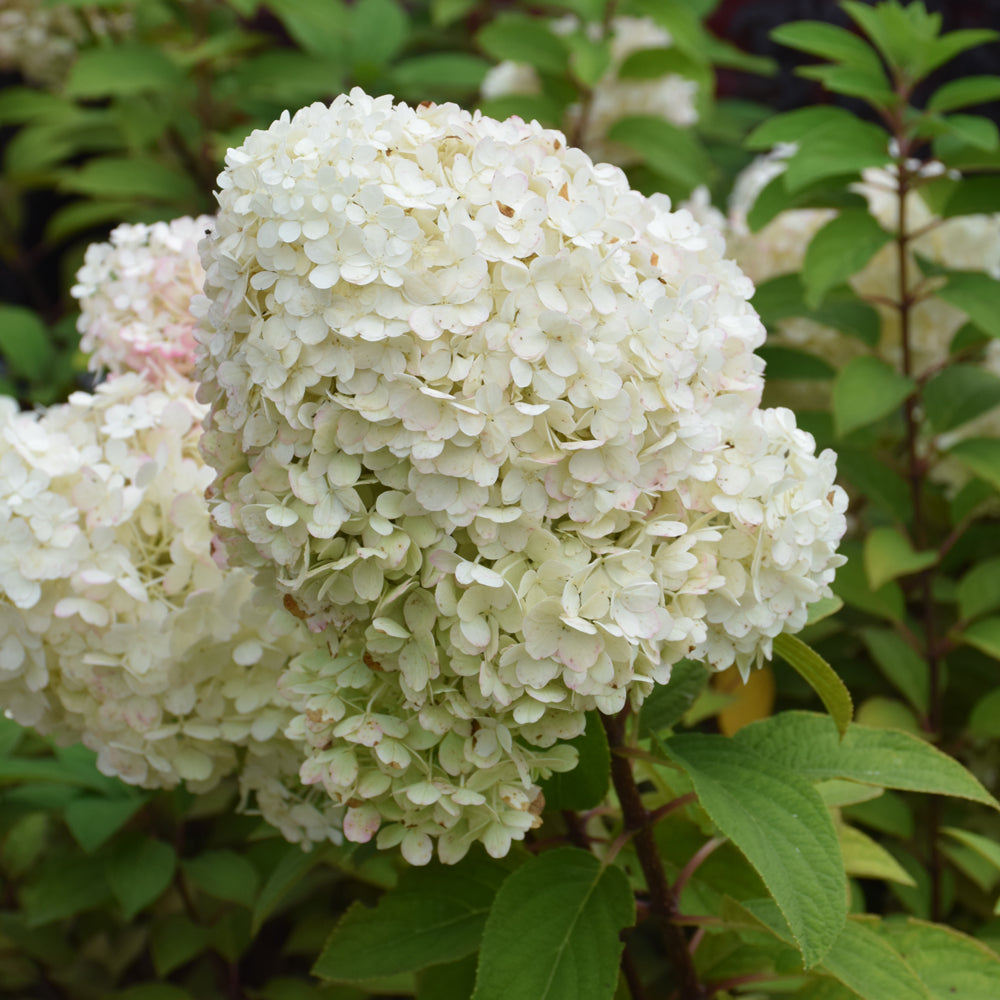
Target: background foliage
804 854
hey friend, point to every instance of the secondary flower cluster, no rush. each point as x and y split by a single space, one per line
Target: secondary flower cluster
669 96
135 298
40 40
489 419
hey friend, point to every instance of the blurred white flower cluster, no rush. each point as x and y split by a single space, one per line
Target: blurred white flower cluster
489 419
670 96
963 242
135 298
40 40
120 623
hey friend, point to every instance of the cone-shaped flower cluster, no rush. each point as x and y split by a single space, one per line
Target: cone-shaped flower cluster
489 419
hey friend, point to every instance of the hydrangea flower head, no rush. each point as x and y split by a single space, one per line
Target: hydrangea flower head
135 296
488 418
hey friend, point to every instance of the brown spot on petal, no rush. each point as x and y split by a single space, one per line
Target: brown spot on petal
830 496
505 210
564 191
355 803
426 104
371 663
292 607
557 144
654 259
537 804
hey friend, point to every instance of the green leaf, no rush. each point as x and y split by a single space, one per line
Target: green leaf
795 126
981 456
788 362
984 635
836 150
586 785
434 914
24 342
869 83
175 940
24 843
979 590
974 130
958 394
668 150
988 850
884 757
889 555
445 12
865 962
828 41
139 870
79 216
448 982
779 822
122 177
454 70
65 886
901 664
319 26
851 585
867 389
977 295
964 92
820 676
294 865
379 29
524 39
879 483
19 105
589 58
866 858
152 991
667 703
973 196
224 875
553 931
823 608
122 69
93 820
840 249
650 64
888 813
951 965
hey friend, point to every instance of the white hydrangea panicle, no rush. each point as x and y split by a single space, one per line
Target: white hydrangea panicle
670 96
135 296
40 40
488 420
119 627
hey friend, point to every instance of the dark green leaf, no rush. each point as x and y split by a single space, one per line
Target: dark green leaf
840 249
964 92
79 216
138 872
788 362
224 875
120 177
93 820
122 69
294 865
984 720
851 584
586 785
867 389
174 940
820 676
889 555
152 991
447 982
668 150
24 843
435 914
667 703
24 342
885 757
456 70
553 931
65 886
984 635
901 664
877 481
977 295
524 39
378 31
981 456
974 196
828 41
979 589
319 26
782 826
958 394
445 12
